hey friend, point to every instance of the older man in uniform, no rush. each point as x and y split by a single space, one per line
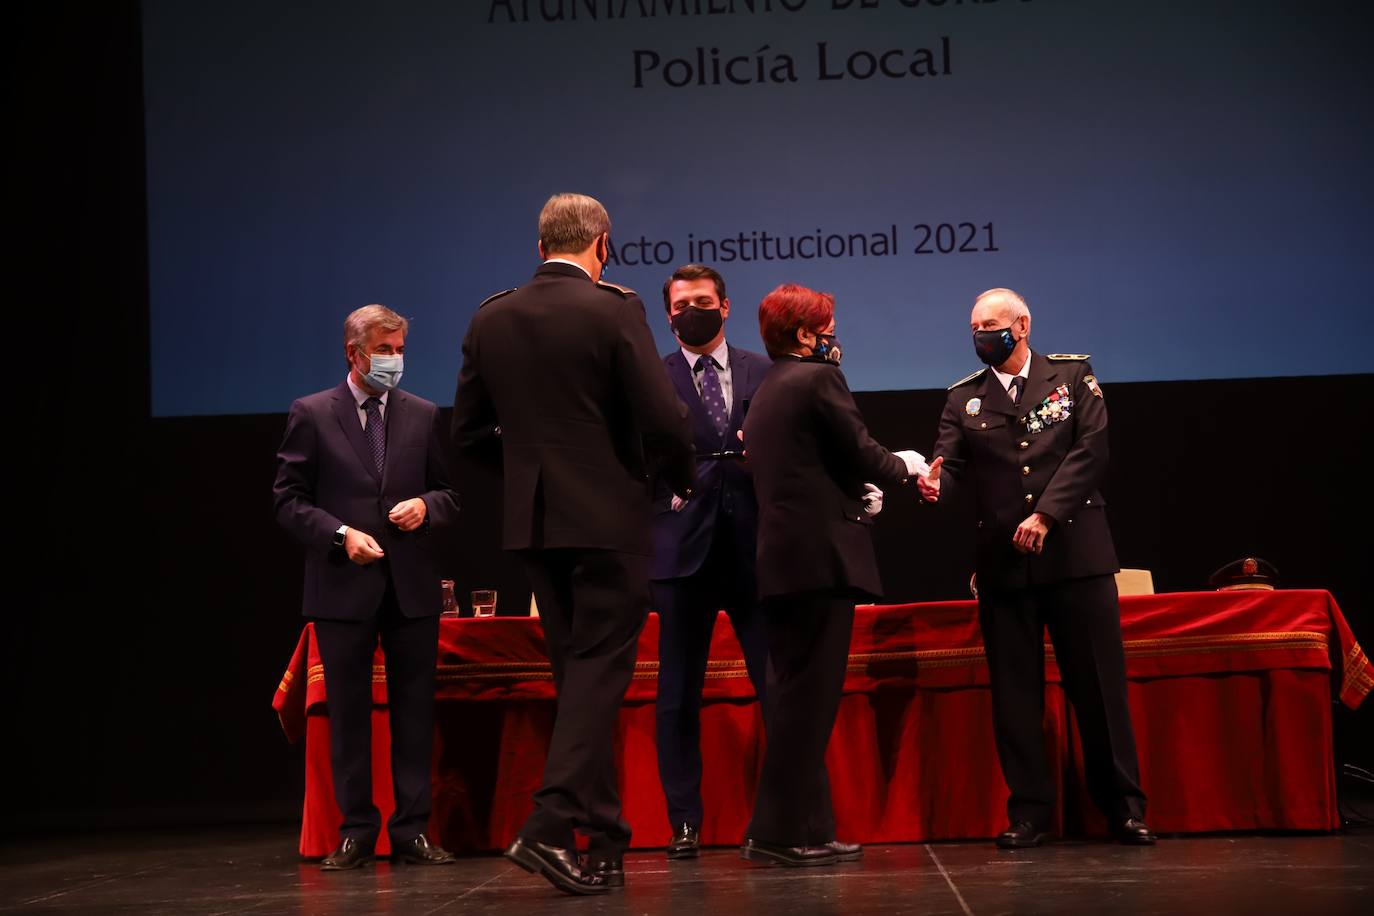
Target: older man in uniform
1029 435
563 373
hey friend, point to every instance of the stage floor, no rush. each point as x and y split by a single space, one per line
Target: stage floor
257 871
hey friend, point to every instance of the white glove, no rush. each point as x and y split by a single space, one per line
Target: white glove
873 500
915 463
678 503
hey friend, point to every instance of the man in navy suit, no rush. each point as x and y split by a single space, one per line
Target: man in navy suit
361 481
703 546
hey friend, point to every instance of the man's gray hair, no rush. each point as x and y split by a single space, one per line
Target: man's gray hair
1014 303
362 322
570 222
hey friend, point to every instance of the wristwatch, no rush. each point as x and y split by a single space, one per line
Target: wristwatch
339 535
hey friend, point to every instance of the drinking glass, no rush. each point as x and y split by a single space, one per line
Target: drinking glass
484 602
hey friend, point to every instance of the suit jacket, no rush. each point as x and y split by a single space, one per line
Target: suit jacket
326 478
1032 458
724 494
564 374
811 454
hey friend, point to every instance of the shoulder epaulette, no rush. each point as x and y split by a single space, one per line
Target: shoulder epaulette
622 290
1067 357
494 296
966 379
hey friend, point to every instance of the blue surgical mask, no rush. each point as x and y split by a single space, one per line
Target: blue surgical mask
386 371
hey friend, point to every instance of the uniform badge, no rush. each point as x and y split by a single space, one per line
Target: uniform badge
1056 408
974 407
1091 382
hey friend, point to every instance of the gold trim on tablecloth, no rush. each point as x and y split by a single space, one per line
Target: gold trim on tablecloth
1356 675
719 669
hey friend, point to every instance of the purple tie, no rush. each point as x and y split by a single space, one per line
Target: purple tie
712 396
375 431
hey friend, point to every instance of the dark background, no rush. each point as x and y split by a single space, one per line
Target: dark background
157 602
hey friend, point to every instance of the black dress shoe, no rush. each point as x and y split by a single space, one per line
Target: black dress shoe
611 870
1134 832
791 856
846 852
558 866
686 843
352 853
420 851
1021 835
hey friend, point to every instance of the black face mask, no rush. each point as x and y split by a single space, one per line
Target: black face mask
697 327
994 347
828 348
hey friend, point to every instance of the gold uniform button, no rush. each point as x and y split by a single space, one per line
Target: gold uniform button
982 426
1090 502
1025 445
1029 498
1025 471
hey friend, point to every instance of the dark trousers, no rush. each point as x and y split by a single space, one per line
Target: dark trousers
592 604
808 652
1084 621
687 610
411 647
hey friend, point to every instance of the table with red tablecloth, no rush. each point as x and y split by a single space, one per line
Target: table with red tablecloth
1230 694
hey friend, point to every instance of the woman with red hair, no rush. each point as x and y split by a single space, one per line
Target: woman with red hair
814 464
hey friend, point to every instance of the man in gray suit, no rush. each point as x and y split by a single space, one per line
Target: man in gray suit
361 481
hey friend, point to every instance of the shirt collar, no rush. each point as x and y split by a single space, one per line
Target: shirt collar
720 354
1005 378
359 395
573 263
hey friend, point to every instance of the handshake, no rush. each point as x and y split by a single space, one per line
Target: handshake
927 477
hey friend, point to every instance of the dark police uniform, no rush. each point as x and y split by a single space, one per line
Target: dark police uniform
561 379
1047 455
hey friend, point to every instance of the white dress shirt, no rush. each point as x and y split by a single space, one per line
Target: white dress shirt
721 355
359 396
1005 378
